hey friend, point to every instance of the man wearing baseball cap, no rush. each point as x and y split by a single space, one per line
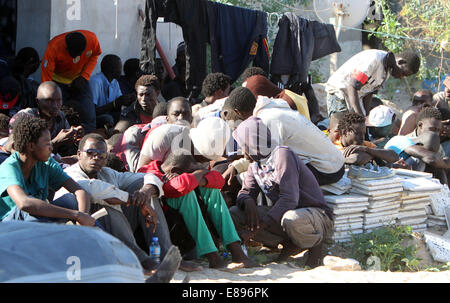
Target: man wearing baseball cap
10 97
380 122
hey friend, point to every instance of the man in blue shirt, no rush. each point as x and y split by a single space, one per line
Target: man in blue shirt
421 154
106 93
28 175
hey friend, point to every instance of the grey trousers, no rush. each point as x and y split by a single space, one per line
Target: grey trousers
305 227
116 224
123 224
135 219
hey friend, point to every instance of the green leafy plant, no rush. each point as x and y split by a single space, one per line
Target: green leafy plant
443 267
386 245
424 22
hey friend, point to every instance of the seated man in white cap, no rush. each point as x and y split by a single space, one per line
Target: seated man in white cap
380 124
182 175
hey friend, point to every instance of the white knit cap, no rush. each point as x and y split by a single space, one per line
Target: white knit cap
380 116
210 137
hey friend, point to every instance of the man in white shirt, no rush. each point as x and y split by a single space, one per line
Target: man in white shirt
288 128
351 87
130 199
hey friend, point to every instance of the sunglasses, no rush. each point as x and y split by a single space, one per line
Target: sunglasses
92 152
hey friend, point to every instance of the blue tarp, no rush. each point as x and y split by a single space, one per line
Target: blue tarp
43 252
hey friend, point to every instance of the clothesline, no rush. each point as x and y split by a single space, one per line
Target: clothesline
391 35
278 15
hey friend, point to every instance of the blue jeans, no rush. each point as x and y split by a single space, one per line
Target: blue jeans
67 201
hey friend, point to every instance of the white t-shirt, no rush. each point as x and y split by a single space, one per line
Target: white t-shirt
290 128
367 67
164 139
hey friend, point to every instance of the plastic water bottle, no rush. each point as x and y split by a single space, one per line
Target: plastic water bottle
244 249
155 249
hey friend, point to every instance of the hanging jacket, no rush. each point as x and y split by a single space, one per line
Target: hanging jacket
153 10
238 36
298 42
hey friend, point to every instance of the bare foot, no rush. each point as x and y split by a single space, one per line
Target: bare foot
314 256
215 261
289 249
238 255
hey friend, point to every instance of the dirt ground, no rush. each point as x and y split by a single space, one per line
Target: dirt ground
293 271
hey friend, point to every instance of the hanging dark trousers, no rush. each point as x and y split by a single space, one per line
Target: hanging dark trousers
192 16
238 36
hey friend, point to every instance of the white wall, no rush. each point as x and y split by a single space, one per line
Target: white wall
169 36
99 16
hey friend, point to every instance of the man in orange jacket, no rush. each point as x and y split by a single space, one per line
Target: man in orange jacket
69 61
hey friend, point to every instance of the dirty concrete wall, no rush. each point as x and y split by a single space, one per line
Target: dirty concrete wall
99 16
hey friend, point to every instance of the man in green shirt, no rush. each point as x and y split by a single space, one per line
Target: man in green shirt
29 174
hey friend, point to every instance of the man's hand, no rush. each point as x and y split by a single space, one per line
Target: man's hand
85 219
401 164
200 176
149 190
79 132
353 149
142 196
247 235
150 216
252 215
357 155
65 136
229 174
169 176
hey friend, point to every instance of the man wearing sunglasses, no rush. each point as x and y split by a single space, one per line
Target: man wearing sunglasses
129 198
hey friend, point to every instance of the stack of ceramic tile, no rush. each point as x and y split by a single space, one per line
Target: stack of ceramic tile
340 187
415 198
384 200
439 204
348 210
